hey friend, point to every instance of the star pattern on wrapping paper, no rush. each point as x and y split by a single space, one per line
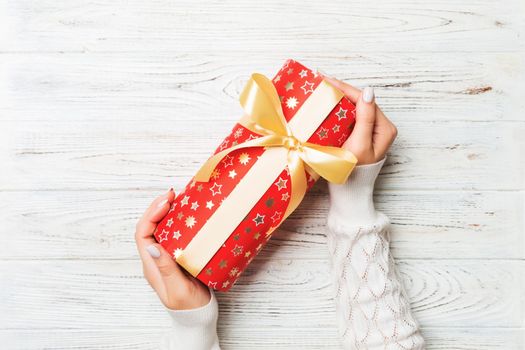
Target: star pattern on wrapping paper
341 113
176 235
285 196
215 189
336 128
194 205
276 216
322 133
223 145
232 174
289 86
303 73
169 222
226 284
209 204
308 87
281 183
259 219
227 161
212 284
164 236
277 79
184 201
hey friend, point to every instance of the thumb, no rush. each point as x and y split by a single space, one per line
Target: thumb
169 270
365 118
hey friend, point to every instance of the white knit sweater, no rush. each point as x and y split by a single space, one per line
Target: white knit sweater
371 305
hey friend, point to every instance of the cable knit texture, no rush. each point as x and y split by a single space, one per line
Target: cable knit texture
194 329
371 305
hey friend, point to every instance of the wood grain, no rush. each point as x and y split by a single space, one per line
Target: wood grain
275 26
104 105
425 224
81 294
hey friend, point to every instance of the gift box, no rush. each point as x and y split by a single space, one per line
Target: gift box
290 135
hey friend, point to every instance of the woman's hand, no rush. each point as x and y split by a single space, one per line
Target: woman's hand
176 288
373 132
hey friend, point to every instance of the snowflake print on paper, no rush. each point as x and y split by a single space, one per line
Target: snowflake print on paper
237 250
234 272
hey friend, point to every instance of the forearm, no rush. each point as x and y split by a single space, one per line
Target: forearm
372 308
194 329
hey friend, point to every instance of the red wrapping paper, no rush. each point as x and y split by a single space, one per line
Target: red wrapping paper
199 200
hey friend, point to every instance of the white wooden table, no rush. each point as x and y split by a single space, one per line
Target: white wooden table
106 104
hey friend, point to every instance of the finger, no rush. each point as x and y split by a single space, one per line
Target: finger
351 92
169 270
365 118
156 211
384 134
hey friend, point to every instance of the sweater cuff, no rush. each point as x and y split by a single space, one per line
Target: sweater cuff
196 329
352 203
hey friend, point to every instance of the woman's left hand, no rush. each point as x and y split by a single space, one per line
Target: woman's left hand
176 288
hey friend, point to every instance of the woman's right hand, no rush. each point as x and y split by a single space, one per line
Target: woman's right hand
373 132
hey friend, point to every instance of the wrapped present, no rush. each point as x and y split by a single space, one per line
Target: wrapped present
290 135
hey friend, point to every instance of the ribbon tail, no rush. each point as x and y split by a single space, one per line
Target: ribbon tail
204 173
298 182
332 163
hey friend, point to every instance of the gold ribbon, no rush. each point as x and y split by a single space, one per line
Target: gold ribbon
264 116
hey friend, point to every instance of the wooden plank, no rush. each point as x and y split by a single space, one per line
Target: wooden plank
79 295
100 225
158 86
272 26
255 338
131 155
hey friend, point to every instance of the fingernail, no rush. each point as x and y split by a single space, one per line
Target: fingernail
323 73
161 204
153 251
368 94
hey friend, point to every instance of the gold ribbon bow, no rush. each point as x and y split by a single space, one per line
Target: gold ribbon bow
264 115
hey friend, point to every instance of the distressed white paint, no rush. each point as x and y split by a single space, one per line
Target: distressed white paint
104 105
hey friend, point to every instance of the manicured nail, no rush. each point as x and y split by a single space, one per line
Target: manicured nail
161 204
153 251
368 94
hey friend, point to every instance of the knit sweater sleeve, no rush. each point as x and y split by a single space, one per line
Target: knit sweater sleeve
372 308
194 329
